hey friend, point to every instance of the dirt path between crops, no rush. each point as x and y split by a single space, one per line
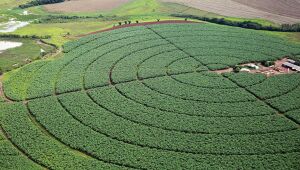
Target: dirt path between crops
54 53
85 5
279 11
2 95
141 24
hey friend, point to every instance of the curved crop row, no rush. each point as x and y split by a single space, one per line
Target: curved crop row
146 98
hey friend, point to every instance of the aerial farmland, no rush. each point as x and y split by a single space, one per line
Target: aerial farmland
149 84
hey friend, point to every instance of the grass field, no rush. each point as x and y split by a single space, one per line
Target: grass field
145 97
29 50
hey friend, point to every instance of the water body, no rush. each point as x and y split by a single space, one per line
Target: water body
12 26
4 45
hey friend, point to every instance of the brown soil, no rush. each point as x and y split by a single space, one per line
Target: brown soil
276 69
140 24
279 11
289 8
85 5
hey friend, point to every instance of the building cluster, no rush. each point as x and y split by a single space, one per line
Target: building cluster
291 64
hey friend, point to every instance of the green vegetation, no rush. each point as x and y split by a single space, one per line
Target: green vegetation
59 28
243 24
267 63
146 97
11 158
39 2
30 50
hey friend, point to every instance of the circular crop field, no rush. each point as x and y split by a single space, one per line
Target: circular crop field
147 97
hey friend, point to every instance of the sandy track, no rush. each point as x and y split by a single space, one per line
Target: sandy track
279 11
85 5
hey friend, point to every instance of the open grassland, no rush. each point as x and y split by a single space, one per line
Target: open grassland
63 32
19 56
276 11
145 97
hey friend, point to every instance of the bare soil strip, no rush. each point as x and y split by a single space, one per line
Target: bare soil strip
85 5
140 24
278 11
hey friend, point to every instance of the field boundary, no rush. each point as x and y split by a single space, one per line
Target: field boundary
142 24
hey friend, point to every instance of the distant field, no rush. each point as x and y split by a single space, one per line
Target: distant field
146 97
288 8
287 11
85 5
11 3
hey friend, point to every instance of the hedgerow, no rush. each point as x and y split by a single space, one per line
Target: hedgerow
39 2
244 24
147 97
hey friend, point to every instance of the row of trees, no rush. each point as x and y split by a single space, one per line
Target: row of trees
24 36
64 18
69 18
129 22
39 2
244 24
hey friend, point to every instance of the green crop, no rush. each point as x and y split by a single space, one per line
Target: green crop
147 97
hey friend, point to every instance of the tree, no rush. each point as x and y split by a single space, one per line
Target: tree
39 2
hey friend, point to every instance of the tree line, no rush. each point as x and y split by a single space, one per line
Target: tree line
24 36
39 2
244 24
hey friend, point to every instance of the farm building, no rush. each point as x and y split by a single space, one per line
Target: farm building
291 66
291 61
